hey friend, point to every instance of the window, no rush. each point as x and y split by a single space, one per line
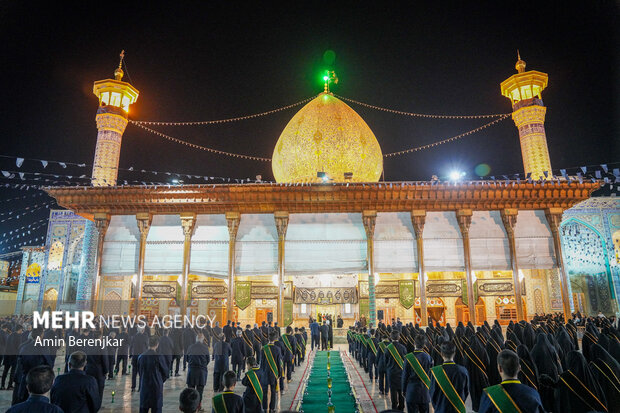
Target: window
302 308
347 308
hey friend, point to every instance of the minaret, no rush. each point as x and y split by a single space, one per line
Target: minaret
115 97
523 90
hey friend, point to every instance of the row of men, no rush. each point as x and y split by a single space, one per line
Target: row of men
549 363
279 355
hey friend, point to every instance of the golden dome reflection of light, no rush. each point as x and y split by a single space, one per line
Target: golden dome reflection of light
326 135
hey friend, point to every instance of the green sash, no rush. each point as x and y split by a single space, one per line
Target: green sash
303 342
251 375
372 346
419 370
219 405
350 335
247 341
287 343
382 346
447 388
397 358
501 399
271 361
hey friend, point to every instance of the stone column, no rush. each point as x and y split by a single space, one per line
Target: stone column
102 221
554 218
464 219
281 218
144 225
232 219
188 221
418 217
509 218
370 218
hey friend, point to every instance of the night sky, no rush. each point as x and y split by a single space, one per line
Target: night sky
196 61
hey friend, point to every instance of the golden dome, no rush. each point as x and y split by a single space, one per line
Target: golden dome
327 136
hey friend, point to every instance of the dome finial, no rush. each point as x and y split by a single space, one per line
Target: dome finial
118 73
520 65
330 77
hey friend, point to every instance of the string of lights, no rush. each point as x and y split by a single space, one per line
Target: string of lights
24 234
24 227
219 121
202 148
444 141
421 115
19 198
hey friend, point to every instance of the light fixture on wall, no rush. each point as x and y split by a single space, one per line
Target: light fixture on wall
274 279
134 279
377 278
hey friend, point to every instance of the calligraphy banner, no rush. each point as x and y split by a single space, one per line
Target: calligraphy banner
387 290
494 288
265 290
159 289
208 290
243 294
326 295
405 293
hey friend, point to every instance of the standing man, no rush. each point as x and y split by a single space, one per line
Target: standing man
416 377
165 348
198 360
76 391
153 374
111 355
449 382
123 351
221 354
228 401
394 366
238 351
324 335
97 364
381 365
314 335
270 366
11 350
287 345
228 332
139 345
176 335
189 338
510 395
254 381
38 381
301 351
30 356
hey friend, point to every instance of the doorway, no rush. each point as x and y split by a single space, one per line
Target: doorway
261 314
387 314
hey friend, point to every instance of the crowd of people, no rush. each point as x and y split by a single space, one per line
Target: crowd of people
537 366
261 358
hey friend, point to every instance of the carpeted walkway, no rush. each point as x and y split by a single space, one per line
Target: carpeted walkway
315 397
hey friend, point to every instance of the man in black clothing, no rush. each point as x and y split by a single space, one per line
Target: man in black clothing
394 363
189 338
221 354
13 342
153 374
272 373
97 363
139 345
122 351
76 391
197 360
324 329
177 341
166 348
228 332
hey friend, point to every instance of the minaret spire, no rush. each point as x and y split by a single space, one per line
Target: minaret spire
520 65
118 73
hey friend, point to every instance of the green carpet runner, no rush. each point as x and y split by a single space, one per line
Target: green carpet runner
316 398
